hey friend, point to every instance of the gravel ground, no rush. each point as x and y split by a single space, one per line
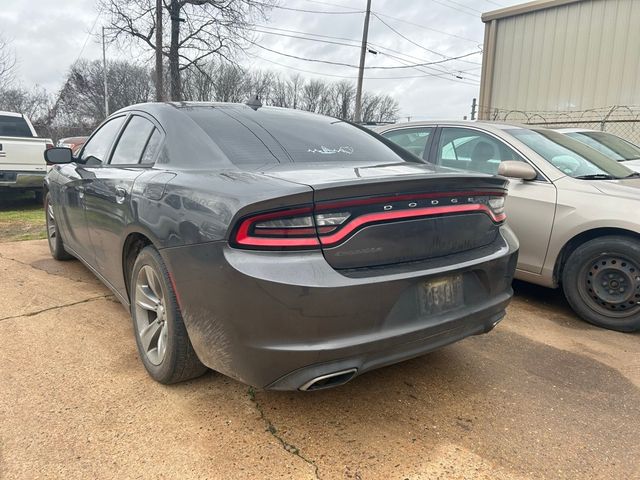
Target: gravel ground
542 396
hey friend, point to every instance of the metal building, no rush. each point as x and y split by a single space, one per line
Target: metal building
564 59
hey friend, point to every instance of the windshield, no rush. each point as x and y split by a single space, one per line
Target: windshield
570 156
613 147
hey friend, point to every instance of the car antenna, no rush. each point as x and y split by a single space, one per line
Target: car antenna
254 102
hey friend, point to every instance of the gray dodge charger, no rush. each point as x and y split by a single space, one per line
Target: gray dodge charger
288 250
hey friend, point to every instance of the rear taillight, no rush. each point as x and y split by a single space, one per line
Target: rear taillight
49 145
283 229
331 223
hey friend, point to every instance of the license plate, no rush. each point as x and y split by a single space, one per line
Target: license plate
443 294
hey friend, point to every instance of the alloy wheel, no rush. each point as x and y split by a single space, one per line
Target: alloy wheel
151 315
51 226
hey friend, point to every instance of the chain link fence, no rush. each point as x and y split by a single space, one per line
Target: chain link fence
623 121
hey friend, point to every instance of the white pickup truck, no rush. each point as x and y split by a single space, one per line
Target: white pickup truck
22 165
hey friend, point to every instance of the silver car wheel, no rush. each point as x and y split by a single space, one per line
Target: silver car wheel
150 315
51 225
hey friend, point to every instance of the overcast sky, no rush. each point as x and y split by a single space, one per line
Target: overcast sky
49 36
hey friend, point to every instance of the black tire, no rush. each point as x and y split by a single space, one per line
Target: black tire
601 281
56 245
38 196
179 361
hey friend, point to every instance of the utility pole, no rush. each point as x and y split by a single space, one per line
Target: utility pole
159 74
174 53
363 53
473 109
104 76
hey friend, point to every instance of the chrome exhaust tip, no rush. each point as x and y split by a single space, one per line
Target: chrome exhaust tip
330 380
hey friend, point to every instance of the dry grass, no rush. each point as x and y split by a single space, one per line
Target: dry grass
21 217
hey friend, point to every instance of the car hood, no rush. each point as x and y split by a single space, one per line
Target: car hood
625 188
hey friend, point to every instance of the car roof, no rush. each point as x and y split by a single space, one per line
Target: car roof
11 114
458 123
575 130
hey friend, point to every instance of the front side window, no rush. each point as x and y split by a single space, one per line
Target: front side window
471 150
133 141
570 156
97 148
414 140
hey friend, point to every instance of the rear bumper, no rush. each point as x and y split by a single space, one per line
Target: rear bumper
22 180
277 320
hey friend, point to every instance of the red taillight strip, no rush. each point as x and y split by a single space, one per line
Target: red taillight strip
406 214
243 236
399 198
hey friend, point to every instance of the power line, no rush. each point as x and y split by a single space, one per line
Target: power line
305 38
455 8
427 28
88 36
375 45
341 64
463 6
406 21
305 33
414 43
352 77
331 4
441 73
381 49
326 12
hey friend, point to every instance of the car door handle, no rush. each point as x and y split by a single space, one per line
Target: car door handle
121 194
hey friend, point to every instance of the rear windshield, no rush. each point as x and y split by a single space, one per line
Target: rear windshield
14 127
271 135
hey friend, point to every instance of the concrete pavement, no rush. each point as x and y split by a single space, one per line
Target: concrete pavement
543 396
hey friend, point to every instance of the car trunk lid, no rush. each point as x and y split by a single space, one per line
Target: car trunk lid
373 215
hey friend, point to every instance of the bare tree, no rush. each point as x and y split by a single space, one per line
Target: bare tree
82 97
33 103
280 92
199 30
230 83
7 64
199 84
344 94
313 93
295 88
370 104
388 109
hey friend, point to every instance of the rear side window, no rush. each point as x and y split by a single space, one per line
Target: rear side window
153 145
14 127
250 137
413 139
97 148
133 141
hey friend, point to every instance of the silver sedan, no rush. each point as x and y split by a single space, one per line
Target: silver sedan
573 208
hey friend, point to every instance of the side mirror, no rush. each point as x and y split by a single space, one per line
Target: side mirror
58 156
516 169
